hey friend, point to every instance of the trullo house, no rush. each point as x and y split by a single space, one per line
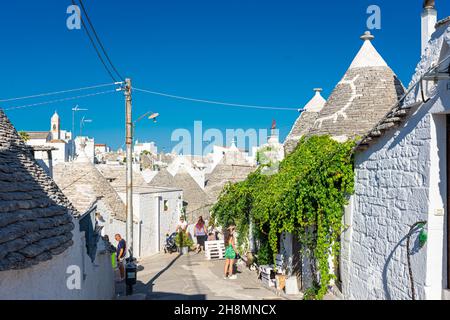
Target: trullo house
43 252
402 169
359 101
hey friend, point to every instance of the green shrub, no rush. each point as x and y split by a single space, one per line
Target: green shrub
183 240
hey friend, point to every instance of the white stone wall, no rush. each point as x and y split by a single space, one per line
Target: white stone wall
48 280
156 222
391 193
169 219
400 180
152 223
61 154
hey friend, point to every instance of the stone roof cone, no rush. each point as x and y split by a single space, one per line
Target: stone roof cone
82 156
368 90
83 184
35 217
305 121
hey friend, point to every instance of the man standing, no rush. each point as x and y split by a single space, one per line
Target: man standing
120 254
182 225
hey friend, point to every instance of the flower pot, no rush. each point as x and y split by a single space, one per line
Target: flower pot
292 286
280 281
184 250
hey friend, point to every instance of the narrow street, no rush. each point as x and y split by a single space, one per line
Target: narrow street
192 277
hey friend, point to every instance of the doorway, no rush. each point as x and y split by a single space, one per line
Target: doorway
448 202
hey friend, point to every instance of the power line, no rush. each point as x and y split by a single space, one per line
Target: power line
59 100
59 92
95 46
99 41
214 102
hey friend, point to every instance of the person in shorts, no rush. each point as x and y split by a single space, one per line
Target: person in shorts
121 252
201 234
230 253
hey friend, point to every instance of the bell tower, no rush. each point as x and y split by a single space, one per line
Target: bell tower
56 127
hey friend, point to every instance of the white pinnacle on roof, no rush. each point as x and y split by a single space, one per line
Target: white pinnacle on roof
368 56
316 103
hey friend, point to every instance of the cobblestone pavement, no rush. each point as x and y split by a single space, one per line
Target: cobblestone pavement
192 277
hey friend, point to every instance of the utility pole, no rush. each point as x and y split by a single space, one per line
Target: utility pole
129 169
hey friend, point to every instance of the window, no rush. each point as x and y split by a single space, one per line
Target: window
166 205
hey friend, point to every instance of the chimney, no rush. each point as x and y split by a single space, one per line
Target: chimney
429 20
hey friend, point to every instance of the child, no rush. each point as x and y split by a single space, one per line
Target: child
212 237
230 253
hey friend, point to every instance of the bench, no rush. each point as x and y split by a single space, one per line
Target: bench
267 272
215 250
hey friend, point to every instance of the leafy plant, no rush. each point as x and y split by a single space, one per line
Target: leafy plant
25 136
146 153
264 255
306 198
183 240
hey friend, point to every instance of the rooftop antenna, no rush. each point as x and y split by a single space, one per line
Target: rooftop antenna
82 122
76 109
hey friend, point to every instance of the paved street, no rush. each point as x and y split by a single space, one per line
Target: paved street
192 277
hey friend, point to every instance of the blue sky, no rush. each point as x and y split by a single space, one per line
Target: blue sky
258 52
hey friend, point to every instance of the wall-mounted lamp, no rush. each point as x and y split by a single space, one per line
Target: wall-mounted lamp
434 76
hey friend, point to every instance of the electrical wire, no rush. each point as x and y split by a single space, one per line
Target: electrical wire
59 100
95 46
99 41
214 102
59 92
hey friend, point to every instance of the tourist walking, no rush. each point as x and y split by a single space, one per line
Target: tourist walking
201 234
121 252
230 253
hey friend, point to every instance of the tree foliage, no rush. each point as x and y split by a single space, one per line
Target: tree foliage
306 198
24 135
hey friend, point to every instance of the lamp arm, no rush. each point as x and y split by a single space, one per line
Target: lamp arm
142 117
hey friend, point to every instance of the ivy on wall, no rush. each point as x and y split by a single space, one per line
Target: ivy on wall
306 198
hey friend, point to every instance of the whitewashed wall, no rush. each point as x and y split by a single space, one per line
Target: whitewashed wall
48 280
400 180
391 193
151 224
156 222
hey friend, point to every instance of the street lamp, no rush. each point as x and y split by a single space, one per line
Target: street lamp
152 116
131 268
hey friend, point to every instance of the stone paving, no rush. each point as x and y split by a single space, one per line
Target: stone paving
192 277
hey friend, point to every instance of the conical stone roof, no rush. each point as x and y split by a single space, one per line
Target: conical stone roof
83 184
305 121
35 217
365 94
195 198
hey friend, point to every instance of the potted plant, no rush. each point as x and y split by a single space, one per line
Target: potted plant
184 242
280 281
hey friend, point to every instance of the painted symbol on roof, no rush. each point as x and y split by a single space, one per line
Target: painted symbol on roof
342 111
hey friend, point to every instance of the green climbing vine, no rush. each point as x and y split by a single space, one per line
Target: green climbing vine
306 198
